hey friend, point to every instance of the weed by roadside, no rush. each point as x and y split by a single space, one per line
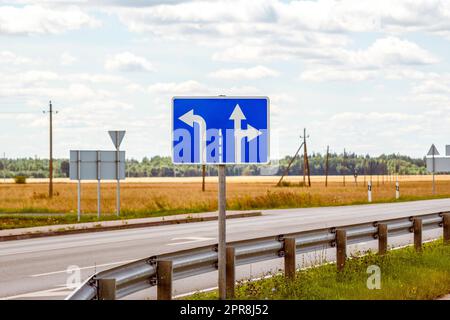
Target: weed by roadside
405 275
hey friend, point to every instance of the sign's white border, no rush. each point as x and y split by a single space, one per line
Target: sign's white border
224 98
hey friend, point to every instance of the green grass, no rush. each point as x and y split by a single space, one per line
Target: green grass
405 275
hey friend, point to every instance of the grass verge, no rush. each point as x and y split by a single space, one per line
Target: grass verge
405 275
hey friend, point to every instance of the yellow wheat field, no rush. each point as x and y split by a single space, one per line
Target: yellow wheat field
158 195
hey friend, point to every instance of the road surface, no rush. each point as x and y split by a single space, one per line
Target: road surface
37 268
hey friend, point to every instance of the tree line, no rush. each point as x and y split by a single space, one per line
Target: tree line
158 166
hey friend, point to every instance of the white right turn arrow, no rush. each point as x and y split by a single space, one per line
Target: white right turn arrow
250 133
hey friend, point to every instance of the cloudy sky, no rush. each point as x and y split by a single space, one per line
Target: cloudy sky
369 76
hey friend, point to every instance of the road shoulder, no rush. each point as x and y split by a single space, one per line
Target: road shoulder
66 229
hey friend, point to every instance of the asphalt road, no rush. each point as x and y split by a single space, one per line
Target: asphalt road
37 268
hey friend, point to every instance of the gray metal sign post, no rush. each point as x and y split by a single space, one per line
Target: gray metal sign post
96 165
79 184
117 137
117 174
222 232
433 152
99 178
434 170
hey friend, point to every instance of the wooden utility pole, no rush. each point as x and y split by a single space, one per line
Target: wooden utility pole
326 166
203 177
50 167
305 160
343 168
286 172
365 171
4 167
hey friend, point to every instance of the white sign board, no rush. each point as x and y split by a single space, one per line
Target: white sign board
96 165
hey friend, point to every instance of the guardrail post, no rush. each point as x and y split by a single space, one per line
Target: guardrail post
382 238
230 272
417 227
289 258
341 248
446 225
164 280
106 289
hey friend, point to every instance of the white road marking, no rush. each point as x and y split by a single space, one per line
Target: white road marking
189 240
55 292
82 268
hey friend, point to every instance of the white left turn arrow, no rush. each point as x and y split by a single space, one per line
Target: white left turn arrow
190 118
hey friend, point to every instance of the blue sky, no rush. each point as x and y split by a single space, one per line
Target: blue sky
371 77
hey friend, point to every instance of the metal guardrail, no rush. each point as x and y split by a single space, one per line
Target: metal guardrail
141 274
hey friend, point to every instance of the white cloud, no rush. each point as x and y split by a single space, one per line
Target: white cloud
431 90
253 73
134 87
383 58
44 77
8 57
172 88
127 61
393 51
67 59
380 132
329 73
94 78
35 19
32 76
284 27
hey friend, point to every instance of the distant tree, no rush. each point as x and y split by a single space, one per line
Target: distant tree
65 168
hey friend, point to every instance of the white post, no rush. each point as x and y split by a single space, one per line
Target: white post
98 184
222 233
369 191
397 189
118 174
79 185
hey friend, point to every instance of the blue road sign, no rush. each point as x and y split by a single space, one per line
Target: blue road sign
220 130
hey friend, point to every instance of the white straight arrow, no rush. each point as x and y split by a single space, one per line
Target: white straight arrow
237 116
251 133
190 118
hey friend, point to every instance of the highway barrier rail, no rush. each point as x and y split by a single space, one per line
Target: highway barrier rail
162 270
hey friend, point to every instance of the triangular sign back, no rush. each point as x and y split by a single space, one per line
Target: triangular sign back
433 151
116 137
